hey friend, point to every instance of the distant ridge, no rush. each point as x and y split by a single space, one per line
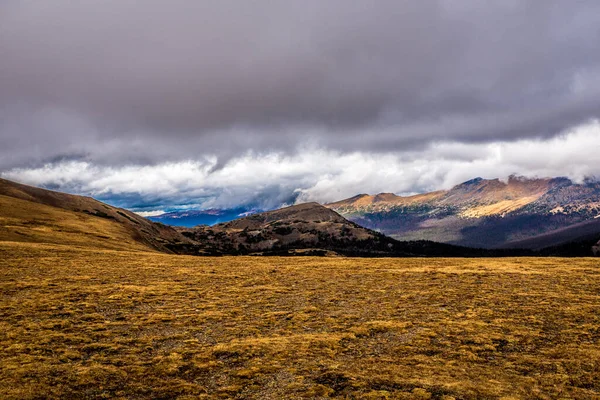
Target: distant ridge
486 213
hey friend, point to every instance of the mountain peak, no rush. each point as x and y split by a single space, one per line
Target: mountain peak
473 181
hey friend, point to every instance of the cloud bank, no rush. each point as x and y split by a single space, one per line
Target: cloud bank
295 97
268 181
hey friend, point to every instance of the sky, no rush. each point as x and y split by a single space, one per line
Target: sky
192 104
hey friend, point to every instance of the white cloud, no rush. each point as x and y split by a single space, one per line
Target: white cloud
314 174
154 213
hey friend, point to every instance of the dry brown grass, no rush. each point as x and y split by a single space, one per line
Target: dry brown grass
85 323
26 221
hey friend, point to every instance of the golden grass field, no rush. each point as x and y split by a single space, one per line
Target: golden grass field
88 323
26 221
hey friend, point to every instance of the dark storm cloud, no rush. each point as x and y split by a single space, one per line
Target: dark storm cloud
123 81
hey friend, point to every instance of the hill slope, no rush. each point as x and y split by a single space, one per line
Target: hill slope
32 214
482 213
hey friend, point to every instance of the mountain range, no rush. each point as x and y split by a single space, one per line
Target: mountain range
477 218
35 215
487 213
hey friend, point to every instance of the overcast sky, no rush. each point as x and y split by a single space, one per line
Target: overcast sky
156 104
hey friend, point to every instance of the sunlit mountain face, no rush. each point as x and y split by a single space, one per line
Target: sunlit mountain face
518 212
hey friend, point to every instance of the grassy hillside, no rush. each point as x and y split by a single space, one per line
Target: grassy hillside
33 214
26 221
308 226
86 323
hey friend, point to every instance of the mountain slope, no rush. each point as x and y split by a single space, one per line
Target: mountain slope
583 231
479 212
38 215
